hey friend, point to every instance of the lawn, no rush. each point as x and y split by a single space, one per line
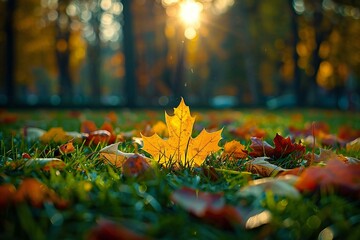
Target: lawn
62 184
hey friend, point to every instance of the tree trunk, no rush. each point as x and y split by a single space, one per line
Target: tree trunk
249 61
130 80
9 70
298 89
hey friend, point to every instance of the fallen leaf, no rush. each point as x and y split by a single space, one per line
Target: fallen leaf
336 175
107 229
66 148
160 128
327 155
113 155
348 133
262 167
56 134
180 147
353 145
210 207
105 134
7 193
280 186
37 194
283 148
7 118
234 150
45 163
247 130
137 166
112 117
32 133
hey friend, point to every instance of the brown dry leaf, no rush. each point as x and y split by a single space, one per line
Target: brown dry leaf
234 150
262 167
138 167
180 147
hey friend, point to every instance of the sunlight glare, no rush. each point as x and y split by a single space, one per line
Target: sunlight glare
190 12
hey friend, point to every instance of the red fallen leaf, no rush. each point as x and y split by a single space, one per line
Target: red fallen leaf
336 175
137 166
348 134
248 130
88 126
108 127
283 147
25 156
37 193
98 136
7 192
104 134
109 230
8 118
330 140
210 207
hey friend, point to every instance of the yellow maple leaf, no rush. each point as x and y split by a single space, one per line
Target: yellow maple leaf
180 147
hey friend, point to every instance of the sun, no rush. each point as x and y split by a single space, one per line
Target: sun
190 13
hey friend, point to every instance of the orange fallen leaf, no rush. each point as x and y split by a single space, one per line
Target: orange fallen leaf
37 194
234 150
67 148
112 117
7 193
180 147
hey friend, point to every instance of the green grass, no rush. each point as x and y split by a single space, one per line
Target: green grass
96 190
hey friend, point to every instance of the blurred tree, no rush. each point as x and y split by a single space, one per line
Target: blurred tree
63 52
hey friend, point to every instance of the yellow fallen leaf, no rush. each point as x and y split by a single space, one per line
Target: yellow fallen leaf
56 134
180 147
353 145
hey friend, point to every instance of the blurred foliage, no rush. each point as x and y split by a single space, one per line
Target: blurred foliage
72 51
